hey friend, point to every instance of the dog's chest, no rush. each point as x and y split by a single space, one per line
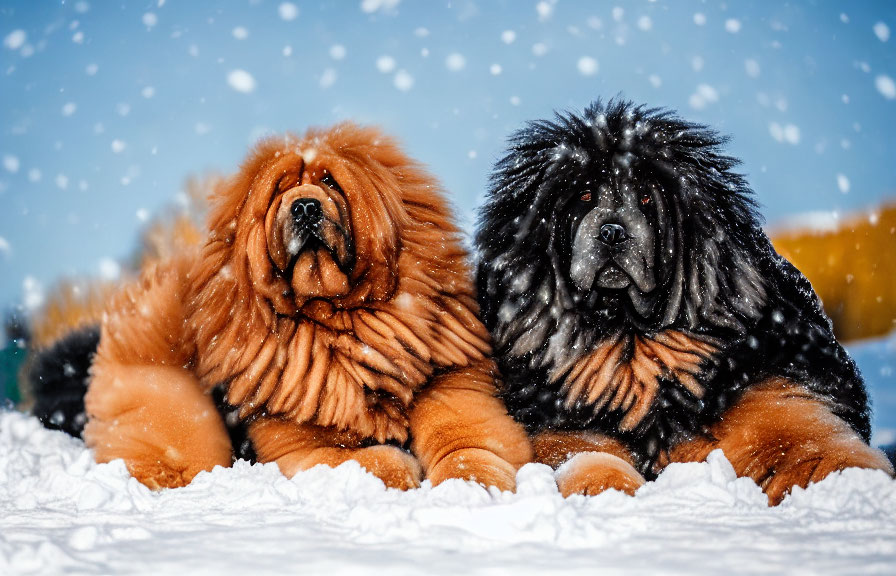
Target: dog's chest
624 373
356 372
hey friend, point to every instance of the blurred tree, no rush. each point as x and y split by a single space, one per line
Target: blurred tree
852 268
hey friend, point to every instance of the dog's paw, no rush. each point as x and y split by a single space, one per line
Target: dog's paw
476 465
394 466
591 473
157 475
801 469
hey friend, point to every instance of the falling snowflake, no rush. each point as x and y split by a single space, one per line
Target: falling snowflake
403 80
704 95
241 81
455 62
11 164
385 64
328 78
752 68
843 183
371 6
15 39
587 66
885 86
288 11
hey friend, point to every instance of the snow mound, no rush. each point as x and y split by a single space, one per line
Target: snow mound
62 512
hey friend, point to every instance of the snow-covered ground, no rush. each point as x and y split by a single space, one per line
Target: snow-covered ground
62 513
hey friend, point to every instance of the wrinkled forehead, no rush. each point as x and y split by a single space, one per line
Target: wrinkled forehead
296 159
605 170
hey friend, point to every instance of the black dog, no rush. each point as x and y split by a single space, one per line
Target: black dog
641 316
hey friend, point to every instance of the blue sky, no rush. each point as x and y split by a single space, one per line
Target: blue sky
107 107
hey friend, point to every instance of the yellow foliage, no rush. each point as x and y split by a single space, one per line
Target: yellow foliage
852 268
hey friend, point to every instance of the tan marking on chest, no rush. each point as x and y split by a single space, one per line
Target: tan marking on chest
624 373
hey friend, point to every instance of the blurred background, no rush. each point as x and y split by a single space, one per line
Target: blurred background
109 107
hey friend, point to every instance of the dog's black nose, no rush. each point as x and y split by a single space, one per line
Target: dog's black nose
307 211
612 234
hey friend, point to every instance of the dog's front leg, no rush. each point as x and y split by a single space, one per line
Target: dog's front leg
587 462
460 429
782 435
296 447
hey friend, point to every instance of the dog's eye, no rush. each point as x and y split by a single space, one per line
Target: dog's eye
330 182
586 197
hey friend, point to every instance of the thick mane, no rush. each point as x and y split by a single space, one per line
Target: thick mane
710 207
354 361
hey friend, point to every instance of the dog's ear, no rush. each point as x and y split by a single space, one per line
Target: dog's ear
717 277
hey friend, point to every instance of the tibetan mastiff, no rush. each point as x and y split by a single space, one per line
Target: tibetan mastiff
331 305
640 315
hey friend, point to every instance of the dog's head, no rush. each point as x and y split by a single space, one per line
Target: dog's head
621 216
315 217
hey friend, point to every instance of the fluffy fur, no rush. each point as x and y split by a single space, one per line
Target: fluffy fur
636 303
332 306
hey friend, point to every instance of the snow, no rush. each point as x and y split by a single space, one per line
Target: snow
328 78
32 293
704 96
241 81
288 11
11 163
885 86
403 80
842 183
109 269
545 10
788 133
508 36
539 49
64 513
732 25
587 66
372 6
455 62
385 64
15 39
882 31
752 68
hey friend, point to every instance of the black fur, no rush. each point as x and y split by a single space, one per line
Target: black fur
714 275
58 378
59 375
